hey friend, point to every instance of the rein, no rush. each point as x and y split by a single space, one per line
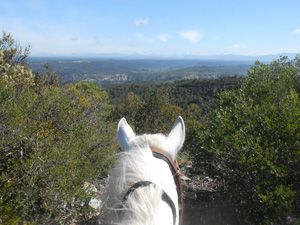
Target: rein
174 167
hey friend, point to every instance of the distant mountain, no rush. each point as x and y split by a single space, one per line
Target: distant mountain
230 57
140 68
226 57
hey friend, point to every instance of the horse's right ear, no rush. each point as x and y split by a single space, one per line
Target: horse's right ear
125 134
176 137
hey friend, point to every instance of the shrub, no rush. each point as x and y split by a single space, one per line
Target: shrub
52 140
153 116
52 143
250 143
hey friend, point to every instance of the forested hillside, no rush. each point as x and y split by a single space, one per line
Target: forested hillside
137 70
202 92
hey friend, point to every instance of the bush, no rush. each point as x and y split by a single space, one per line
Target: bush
53 140
250 143
153 116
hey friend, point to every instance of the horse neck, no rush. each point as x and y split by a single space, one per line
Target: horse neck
145 205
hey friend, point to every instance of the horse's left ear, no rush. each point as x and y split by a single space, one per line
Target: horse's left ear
176 137
125 134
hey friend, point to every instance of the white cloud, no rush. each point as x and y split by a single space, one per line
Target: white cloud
193 36
163 37
297 31
141 22
238 46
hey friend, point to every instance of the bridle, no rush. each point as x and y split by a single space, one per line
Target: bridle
175 170
174 167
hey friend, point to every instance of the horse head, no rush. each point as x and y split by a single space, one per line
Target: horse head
144 185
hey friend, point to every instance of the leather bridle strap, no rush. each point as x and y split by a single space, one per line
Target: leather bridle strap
160 154
165 197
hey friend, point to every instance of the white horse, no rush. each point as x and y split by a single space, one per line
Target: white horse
142 189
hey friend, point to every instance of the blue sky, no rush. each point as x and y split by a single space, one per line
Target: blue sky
198 27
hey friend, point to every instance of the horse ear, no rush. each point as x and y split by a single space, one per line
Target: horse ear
125 133
176 137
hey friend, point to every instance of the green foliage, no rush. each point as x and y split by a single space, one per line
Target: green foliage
14 69
181 93
193 119
153 116
52 140
143 105
158 114
251 143
51 137
130 108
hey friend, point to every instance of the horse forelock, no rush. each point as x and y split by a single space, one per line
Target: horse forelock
157 140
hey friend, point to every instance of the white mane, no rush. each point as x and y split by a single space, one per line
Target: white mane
144 206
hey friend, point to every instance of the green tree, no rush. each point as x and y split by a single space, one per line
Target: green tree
158 115
251 143
153 116
130 108
193 118
14 70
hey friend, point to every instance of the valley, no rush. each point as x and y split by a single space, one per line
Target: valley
101 70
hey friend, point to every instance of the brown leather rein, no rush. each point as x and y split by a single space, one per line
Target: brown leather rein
174 167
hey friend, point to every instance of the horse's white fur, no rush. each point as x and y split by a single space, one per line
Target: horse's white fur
136 163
